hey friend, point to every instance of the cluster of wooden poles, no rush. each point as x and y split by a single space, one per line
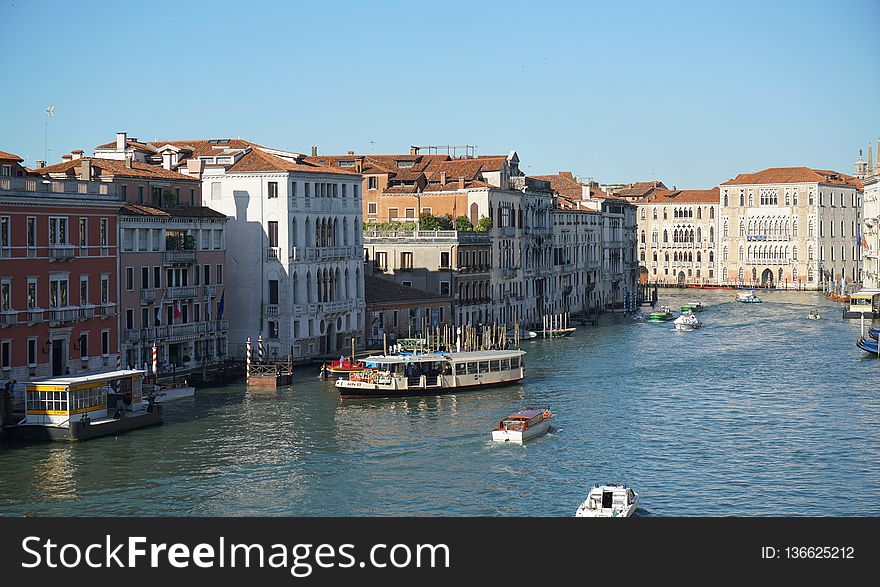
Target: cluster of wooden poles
554 322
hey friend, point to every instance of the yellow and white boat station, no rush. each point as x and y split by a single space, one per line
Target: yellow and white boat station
75 407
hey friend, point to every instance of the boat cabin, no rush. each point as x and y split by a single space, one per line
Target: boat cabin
523 419
611 497
866 301
61 400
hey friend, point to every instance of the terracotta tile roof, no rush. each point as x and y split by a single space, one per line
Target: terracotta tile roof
258 160
564 184
206 148
171 211
133 143
712 196
115 168
793 175
452 185
10 157
378 290
640 189
467 168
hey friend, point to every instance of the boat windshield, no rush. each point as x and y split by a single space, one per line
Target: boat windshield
513 425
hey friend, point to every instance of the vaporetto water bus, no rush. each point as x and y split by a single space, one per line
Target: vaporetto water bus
433 373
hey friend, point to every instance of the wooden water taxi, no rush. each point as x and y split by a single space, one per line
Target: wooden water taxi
523 425
432 373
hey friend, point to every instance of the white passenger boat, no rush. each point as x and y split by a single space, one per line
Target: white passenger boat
166 393
523 425
432 373
687 322
612 500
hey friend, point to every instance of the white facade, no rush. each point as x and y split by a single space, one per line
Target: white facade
871 220
294 258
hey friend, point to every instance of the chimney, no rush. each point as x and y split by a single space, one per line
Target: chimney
566 174
40 163
442 178
166 160
121 141
67 157
128 160
77 154
86 170
358 165
413 150
461 183
351 152
314 151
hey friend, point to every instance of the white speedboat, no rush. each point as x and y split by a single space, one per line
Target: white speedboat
687 322
748 297
612 500
167 393
814 315
523 425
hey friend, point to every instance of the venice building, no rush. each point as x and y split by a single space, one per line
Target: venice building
790 227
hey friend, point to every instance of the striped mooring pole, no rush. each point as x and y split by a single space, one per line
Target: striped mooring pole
260 348
247 357
155 360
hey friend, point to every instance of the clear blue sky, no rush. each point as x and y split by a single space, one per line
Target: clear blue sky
690 93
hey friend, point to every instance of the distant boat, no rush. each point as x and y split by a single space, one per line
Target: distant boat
611 500
748 297
664 314
814 315
558 332
523 334
523 425
168 393
693 307
341 367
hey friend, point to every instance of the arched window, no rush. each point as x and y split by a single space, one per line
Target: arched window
665 234
711 234
643 237
665 216
643 256
655 256
643 212
711 211
725 233
794 227
712 256
699 213
655 214
654 236
810 253
742 227
699 257
741 253
699 233
724 198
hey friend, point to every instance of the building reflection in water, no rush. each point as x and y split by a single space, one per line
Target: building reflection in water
55 475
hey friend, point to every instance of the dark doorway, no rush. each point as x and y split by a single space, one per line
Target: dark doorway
57 358
767 278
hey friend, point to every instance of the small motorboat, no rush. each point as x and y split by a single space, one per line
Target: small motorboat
687 322
814 315
161 394
612 500
523 334
664 314
342 367
693 307
560 332
523 425
748 297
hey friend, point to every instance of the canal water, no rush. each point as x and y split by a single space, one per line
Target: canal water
760 412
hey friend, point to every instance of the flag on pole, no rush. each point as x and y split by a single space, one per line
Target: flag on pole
221 304
159 308
177 310
863 242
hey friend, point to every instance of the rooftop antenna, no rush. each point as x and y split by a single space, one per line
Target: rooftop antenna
50 112
373 146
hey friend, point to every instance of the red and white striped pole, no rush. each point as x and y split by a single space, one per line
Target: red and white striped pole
155 361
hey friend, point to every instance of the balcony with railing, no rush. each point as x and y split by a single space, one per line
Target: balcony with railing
148 296
61 252
312 254
272 310
69 314
335 306
181 293
51 188
176 331
180 257
273 253
107 310
8 318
